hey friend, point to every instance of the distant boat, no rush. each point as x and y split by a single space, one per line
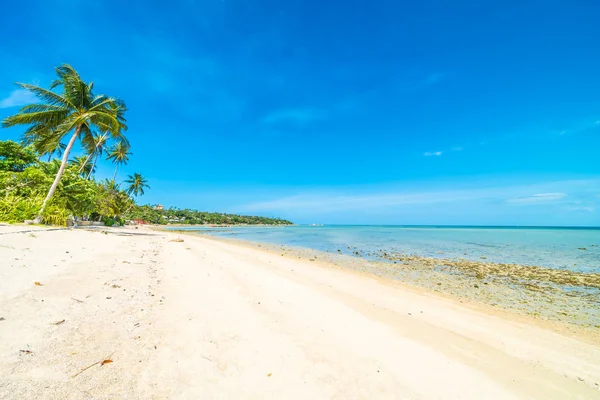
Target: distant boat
316 225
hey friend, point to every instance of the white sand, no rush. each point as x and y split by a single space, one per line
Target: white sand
202 319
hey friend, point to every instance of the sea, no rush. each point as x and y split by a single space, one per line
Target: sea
572 248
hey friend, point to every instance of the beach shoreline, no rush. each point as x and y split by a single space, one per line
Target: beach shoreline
504 288
188 316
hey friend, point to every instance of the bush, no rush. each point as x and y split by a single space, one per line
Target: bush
112 221
19 209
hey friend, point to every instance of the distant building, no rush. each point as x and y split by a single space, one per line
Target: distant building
159 207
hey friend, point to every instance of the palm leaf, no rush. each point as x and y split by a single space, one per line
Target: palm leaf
46 95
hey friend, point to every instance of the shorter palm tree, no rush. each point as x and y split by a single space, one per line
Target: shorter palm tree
84 168
99 144
119 154
137 183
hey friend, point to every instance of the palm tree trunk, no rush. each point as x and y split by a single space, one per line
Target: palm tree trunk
93 166
59 174
115 174
85 163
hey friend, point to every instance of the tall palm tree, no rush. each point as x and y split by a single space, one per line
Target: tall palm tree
119 154
137 183
75 112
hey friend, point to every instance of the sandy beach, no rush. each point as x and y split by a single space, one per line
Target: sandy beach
142 314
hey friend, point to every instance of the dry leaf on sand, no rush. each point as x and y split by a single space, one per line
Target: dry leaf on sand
107 360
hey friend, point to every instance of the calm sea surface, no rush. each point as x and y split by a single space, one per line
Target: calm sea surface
576 249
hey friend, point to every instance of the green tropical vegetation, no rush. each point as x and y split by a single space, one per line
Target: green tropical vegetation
154 215
40 183
76 113
25 179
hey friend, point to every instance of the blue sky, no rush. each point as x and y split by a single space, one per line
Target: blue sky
429 112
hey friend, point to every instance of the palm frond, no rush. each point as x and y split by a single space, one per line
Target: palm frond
47 95
49 117
119 153
105 120
137 183
39 107
35 130
47 143
69 123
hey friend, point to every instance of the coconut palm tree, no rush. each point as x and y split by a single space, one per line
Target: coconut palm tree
91 146
137 183
75 112
98 150
111 185
84 168
119 154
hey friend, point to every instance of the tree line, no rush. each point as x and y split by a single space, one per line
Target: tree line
153 215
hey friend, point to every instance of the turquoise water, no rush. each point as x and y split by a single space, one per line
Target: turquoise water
545 247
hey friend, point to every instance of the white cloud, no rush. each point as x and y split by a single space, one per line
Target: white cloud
587 209
335 202
391 199
538 198
294 115
19 97
433 153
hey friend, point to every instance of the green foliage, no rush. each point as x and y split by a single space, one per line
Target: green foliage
153 215
56 214
110 221
76 113
83 165
14 208
22 192
113 201
14 157
33 181
18 209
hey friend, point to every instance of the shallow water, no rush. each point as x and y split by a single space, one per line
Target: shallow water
576 249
